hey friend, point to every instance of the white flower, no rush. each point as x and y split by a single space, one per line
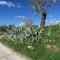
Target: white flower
30 47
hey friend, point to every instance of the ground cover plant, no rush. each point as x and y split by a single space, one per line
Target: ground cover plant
36 43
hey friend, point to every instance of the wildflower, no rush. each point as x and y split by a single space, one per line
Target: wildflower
30 47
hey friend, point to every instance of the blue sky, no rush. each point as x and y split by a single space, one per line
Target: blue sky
16 11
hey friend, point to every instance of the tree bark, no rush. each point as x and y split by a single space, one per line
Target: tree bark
42 25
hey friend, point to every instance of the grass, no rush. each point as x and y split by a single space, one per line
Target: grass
37 50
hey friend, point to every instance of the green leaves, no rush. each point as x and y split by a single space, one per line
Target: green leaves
27 35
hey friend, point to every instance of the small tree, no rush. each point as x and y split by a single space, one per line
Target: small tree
43 7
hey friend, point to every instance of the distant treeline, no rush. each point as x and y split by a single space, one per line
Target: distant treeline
3 28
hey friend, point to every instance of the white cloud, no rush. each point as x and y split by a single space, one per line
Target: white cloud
23 17
50 16
57 21
9 4
22 24
19 6
51 20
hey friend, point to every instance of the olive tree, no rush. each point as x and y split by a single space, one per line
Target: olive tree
43 7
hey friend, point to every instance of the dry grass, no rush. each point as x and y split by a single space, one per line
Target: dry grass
53 48
1 36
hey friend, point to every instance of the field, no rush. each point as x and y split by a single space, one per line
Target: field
36 43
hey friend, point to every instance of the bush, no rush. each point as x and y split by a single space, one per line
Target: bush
28 35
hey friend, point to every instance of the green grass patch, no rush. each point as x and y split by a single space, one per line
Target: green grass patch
36 50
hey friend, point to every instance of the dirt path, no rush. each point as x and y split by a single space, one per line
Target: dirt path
7 54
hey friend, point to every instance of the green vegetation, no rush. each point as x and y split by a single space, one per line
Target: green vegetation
33 42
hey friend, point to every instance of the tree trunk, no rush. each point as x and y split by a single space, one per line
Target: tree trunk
42 25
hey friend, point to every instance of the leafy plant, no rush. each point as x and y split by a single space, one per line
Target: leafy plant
28 35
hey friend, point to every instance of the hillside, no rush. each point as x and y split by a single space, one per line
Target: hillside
36 43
